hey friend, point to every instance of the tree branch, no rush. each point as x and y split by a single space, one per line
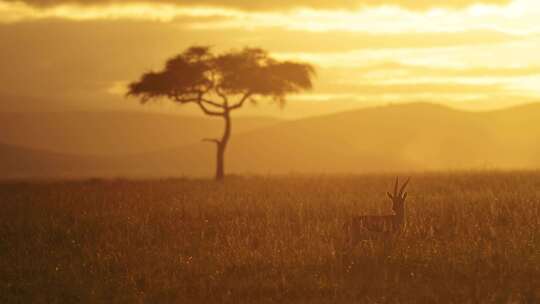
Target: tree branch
223 96
213 140
201 103
199 97
208 111
241 102
185 100
212 103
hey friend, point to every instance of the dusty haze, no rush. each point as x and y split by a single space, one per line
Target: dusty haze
409 137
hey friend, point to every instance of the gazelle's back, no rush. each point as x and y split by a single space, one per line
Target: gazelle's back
374 223
370 227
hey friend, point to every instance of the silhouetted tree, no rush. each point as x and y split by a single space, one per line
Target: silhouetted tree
221 83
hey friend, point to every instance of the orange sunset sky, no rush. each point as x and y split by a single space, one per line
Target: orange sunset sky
469 54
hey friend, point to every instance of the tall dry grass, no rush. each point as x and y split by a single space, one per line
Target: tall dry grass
470 238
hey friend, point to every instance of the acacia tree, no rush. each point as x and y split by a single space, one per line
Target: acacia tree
221 83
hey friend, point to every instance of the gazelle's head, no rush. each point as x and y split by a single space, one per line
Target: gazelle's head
398 197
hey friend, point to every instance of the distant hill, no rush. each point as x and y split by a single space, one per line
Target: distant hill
112 133
417 137
25 163
17 162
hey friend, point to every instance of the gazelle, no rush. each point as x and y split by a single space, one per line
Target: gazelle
370 227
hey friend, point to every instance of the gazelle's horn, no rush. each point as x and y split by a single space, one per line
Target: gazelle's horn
404 186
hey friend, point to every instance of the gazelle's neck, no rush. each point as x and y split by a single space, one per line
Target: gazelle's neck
400 215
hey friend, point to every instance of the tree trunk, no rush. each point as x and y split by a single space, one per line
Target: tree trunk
221 147
220 163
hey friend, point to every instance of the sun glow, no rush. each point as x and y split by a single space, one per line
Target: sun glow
480 51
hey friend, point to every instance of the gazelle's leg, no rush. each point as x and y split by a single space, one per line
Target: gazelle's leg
348 234
355 238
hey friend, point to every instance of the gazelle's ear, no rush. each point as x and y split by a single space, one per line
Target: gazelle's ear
405 195
390 195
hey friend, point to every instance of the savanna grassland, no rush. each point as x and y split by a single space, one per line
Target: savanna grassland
470 238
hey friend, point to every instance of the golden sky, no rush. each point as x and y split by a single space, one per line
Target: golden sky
471 54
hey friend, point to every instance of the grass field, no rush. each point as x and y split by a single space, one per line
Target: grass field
470 238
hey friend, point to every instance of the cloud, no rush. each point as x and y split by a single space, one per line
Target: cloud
252 5
401 71
398 79
405 89
82 60
333 41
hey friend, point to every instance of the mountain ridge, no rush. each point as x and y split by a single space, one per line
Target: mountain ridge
112 133
411 137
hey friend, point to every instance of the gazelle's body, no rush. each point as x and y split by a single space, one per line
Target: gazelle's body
371 227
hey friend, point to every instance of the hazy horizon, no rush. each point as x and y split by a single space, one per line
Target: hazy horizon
405 138
305 109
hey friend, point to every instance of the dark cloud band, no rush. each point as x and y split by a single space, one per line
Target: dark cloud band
284 4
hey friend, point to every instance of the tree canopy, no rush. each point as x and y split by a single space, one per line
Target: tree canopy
198 76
